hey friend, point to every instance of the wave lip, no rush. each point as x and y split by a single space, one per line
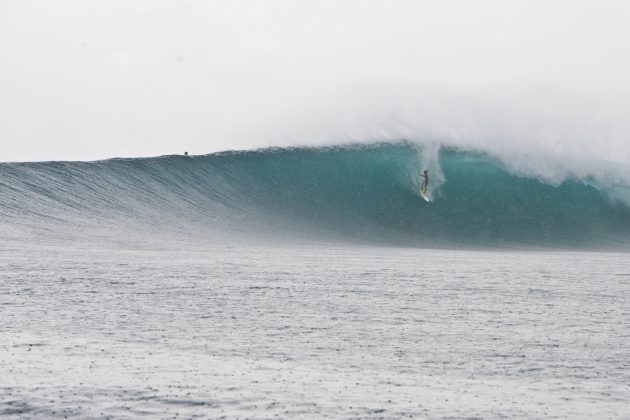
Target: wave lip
362 193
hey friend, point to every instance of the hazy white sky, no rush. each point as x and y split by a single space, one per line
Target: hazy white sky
88 79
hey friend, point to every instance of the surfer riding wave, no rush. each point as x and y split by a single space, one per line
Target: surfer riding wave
425 182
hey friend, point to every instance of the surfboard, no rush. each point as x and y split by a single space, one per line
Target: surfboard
425 196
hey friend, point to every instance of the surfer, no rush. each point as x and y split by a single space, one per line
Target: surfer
425 182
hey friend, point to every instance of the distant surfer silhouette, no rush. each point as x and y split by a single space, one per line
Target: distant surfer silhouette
425 182
185 153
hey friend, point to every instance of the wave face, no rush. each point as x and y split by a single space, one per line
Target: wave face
367 194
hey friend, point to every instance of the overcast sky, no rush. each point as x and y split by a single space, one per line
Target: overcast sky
86 79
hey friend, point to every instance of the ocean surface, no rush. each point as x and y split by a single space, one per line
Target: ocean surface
311 283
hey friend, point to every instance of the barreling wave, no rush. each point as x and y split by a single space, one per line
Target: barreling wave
352 193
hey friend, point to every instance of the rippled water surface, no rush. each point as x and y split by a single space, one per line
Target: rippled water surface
313 331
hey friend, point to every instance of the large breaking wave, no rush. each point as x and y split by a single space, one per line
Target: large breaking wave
367 194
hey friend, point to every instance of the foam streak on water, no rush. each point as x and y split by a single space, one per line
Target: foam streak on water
312 331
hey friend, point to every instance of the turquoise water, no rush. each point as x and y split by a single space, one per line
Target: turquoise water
365 194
